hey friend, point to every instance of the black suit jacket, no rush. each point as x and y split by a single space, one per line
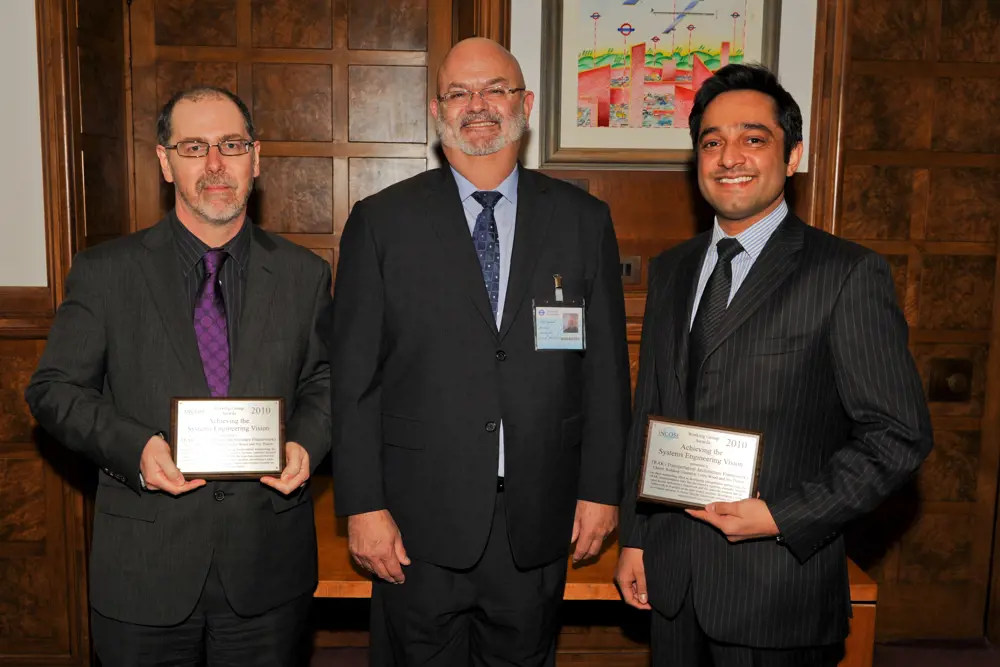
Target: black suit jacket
813 353
422 376
122 345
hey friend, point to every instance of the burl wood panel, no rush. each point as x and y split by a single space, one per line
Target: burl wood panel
102 90
888 29
949 472
172 77
899 265
105 186
22 503
370 175
27 612
957 292
965 115
888 113
388 104
878 202
20 358
978 354
964 205
195 22
970 31
298 24
100 18
391 26
937 549
295 194
293 102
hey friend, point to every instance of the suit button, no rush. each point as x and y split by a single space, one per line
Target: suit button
501 355
491 426
220 496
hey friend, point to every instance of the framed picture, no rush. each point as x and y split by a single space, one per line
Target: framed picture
619 76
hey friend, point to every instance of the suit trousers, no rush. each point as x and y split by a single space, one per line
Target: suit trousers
493 614
213 635
681 642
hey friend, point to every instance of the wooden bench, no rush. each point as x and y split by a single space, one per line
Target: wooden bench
340 578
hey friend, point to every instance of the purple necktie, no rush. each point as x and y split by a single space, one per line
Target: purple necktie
210 325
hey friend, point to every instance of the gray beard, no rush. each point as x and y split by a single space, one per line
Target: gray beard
513 130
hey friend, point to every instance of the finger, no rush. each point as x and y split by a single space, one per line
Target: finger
293 463
576 530
278 485
595 547
726 508
401 551
581 550
169 470
393 568
379 570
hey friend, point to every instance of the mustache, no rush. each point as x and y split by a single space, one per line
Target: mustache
210 181
480 116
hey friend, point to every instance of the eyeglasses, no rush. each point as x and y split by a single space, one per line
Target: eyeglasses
227 147
490 94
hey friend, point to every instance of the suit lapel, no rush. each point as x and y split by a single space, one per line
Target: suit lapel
534 212
776 262
688 270
444 206
163 277
257 301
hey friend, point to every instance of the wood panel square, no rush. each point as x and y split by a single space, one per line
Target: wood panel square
101 91
965 115
878 202
899 265
31 609
370 175
295 194
101 18
293 102
195 22
388 104
888 113
20 358
957 292
22 503
949 472
172 77
888 29
970 31
293 24
395 26
105 186
964 203
925 353
937 548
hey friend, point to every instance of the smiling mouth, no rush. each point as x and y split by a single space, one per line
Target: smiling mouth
734 180
479 125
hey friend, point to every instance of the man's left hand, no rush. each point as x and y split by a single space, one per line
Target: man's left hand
744 520
296 470
592 524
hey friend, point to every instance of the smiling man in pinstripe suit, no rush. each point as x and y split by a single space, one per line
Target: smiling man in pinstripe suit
766 324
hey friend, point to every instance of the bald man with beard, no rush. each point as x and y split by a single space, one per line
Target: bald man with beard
470 457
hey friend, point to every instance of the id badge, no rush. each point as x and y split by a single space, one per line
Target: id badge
559 324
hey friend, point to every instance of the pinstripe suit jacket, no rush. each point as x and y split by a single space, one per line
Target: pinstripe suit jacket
122 345
813 353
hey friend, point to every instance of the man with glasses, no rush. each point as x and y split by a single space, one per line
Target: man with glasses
476 444
203 304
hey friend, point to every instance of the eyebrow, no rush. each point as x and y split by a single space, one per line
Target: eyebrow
465 86
225 137
743 126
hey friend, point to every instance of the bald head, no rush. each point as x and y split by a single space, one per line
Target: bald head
478 60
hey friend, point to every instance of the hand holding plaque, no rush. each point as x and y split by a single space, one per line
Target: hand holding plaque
693 465
228 438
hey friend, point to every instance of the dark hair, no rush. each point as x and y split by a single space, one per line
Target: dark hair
749 77
164 121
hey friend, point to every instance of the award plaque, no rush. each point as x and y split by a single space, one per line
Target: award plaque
228 438
691 465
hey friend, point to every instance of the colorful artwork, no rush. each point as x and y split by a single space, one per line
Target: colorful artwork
629 69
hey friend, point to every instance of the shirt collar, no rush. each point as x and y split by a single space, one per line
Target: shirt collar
508 188
192 248
755 237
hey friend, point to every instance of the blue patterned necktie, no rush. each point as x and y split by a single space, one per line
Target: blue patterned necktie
210 326
487 241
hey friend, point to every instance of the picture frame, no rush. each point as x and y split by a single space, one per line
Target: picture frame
596 127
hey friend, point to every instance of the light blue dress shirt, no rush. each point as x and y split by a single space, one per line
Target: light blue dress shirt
505 213
753 239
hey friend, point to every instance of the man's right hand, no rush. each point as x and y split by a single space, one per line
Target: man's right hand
376 545
631 578
159 472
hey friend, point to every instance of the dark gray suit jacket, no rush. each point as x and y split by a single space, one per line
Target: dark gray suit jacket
122 345
813 353
422 375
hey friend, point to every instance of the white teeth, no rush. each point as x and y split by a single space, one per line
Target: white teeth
741 179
